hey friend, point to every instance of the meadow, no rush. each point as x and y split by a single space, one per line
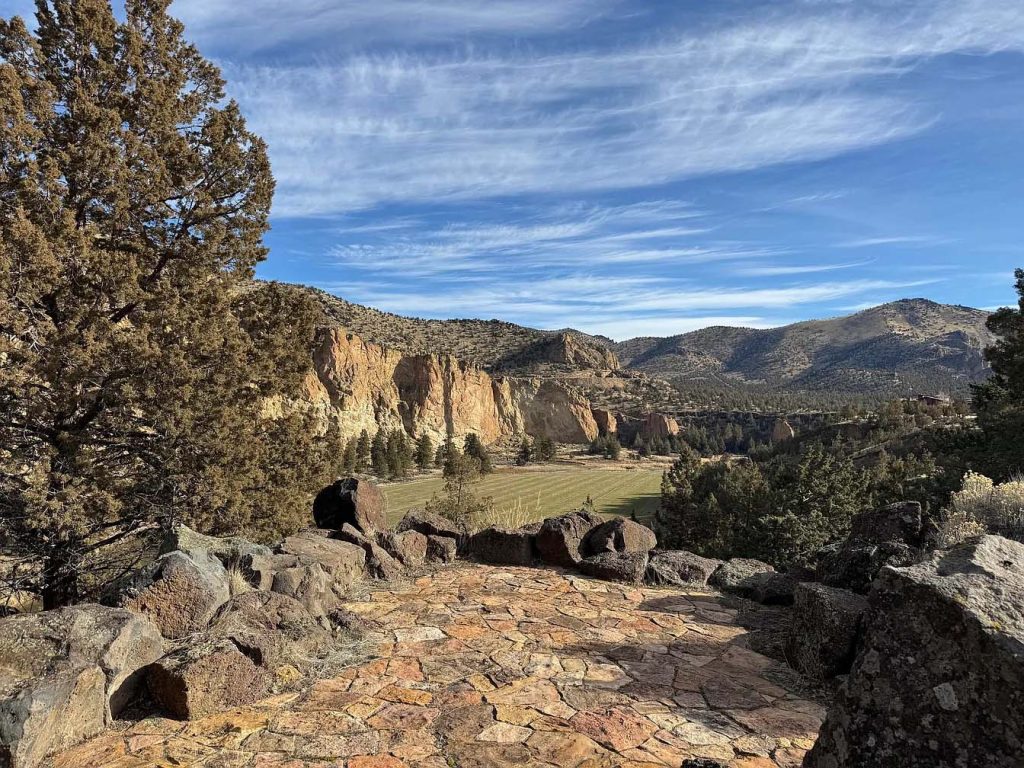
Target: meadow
543 492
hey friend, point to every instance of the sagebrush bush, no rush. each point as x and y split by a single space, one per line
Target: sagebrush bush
983 505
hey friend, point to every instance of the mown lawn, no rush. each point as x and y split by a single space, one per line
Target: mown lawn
546 491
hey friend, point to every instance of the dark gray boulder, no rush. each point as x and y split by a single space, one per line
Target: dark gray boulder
938 681
616 566
504 547
901 521
680 568
824 629
350 500
560 539
619 535
729 574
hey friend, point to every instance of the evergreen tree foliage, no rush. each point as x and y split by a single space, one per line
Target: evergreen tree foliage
136 353
363 451
999 402
379 454
472 446
424 455
525 454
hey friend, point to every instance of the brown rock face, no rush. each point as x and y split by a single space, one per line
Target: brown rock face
659 425
360 386
352 501
782 431
607 424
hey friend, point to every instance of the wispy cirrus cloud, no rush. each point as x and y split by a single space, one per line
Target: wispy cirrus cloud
908 240
414 125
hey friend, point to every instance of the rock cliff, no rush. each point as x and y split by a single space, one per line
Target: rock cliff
360 386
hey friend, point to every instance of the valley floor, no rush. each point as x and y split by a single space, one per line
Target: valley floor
548 490
480 666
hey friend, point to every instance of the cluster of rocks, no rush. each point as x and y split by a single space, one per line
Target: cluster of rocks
926 650
211 624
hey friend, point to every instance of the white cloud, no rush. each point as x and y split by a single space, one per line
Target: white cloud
874 242
795 269
411 126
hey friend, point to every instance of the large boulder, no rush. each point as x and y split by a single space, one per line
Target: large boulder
619 535
729 574
560 539
501 546
343 560
205 678
901 521
824 628
408 547
616 566
66 673
379 562
272 629
680 569
939 677
356 502
259 570
180 592
430 524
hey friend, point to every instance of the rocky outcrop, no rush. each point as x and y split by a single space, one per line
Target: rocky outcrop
765 587
659 425
616 566
350 501
782 431
939 677
730 574
67 673
607 424
429 524
504 547
362 386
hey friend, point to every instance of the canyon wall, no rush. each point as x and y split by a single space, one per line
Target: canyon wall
359 385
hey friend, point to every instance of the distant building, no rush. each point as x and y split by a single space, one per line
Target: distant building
937 400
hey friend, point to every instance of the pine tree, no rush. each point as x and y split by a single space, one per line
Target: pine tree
348 462
379 454
525 455
363 449
473 447
424 454
135 352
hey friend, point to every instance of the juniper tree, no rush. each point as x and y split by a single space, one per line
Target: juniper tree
424 454
1000 401
472 446
135 354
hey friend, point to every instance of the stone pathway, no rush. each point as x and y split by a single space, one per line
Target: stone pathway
489 666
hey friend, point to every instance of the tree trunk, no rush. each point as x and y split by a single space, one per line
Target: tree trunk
61 575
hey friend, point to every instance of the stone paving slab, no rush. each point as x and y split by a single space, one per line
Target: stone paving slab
501 666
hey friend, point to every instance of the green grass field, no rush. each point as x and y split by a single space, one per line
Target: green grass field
546 492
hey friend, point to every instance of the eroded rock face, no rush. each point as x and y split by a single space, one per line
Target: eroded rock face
351 501
362 386
64 674
344 561
560 539
379 562
429 524
659 425
408 547
680 568
620 535
205 678
939 677
607 424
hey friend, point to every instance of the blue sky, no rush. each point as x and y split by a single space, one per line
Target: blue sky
635 168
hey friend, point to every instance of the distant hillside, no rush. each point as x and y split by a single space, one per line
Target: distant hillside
492 344
895 348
